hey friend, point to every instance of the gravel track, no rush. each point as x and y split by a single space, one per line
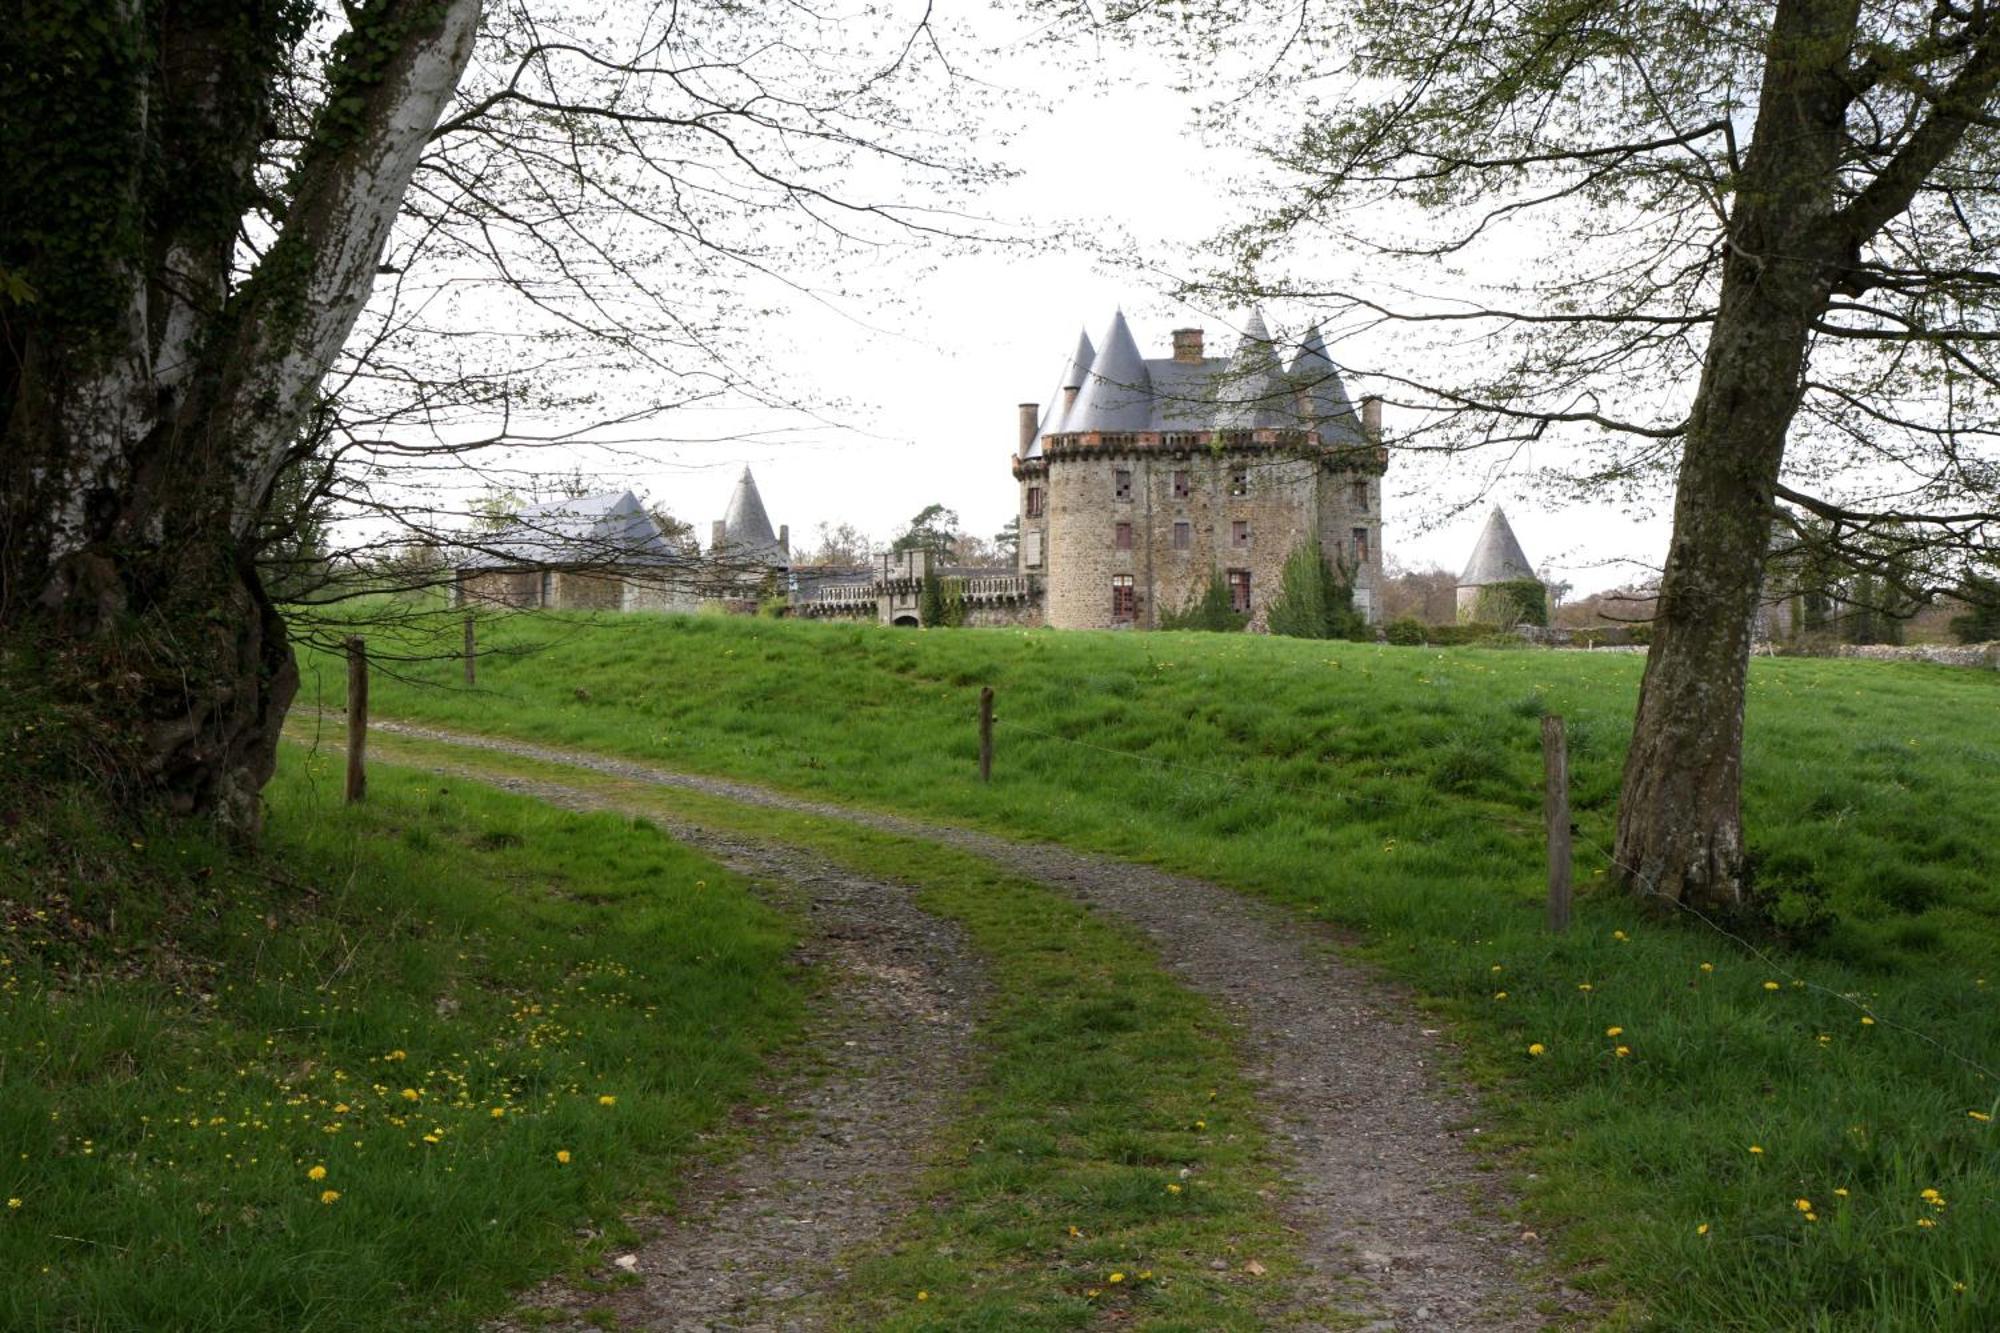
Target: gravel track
1392 1215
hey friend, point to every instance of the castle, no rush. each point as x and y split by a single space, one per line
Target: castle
1139 482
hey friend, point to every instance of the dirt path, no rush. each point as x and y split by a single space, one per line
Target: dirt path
757 1244
1393 1217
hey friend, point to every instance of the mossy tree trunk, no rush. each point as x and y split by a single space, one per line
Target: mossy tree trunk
150 392
1793 242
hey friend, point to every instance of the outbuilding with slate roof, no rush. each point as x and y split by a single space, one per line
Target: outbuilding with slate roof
1497 563
585 553
1141 478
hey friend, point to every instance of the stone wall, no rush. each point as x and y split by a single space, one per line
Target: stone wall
511 588
1985 655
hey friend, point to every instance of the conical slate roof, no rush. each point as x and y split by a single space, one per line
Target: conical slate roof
1250 394
745 525
1075 371
1118 392
1328 408
1497 557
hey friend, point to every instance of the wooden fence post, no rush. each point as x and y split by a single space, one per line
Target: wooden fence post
986 733
357 718
471 653
1555 807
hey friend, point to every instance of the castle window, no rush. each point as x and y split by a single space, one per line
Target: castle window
1034 502
1124 599
1239 481
1183 536
1361 545
1031 547
1181 487
1121 483
1360 493
1239 591
1123 534
1239 532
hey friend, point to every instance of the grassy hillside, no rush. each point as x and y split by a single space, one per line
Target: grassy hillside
369 1080
1748 1139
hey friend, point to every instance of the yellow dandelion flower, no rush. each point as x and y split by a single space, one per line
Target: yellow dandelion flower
607 1100
13 1203
1622 1052
562 1155
1584 986
1116 1277
398 1055
1701 1230
1866 1021
1812 1217
1074 1232
1619 935
410 1094
923 1295
1708 967
1536 1048
1925 1223
1840 1193
1171 1189
329 1196
1614 1032
1803 1205
1772 985
1930 1196
1499 995
1146 1275
497 1112
1755 1151
1980 1116
1496 967
317 1173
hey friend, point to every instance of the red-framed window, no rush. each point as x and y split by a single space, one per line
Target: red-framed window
1124 598
1239 591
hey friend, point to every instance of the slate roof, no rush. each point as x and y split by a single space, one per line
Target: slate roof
609 529
746 528
1124 391
1496 557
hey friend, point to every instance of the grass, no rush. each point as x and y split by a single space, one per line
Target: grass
1395 792
369 1080
1106 1132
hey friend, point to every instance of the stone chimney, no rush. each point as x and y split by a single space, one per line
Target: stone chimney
1187 344
785 538
718 534
1030 414
1371 418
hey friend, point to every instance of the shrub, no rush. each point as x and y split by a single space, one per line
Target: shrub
1515 602
1408 632
1210 609
1314 600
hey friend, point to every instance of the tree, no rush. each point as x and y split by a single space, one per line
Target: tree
1007 541
935 528
1981 622
840 544
1746 246
190 296
1314 600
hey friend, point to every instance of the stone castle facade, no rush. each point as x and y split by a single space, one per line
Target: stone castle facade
1141 479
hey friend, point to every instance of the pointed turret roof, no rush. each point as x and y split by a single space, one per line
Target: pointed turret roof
1117 392
1250 395
1328 409
745 526
1075 371
1497 557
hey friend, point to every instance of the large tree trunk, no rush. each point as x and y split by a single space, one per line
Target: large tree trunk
146 408
1680 826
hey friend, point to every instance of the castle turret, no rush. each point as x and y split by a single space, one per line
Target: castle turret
1497 559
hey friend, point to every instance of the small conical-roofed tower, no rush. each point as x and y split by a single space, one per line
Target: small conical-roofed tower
1117 394
1497 558
1074 372
745 529
1250 395
1326 406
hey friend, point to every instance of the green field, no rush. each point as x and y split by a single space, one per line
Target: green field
1395 793
372 1079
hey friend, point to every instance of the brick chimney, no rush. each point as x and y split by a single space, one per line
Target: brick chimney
1371 418
1030 415
1187 344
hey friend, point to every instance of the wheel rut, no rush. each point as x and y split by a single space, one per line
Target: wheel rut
1393 1215
757 1244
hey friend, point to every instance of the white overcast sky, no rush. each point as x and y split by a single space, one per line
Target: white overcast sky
928 370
